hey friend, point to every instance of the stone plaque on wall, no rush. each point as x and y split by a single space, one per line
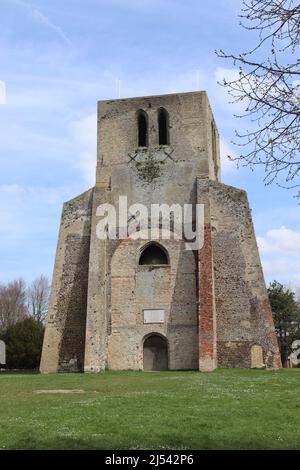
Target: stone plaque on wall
257 361
154 316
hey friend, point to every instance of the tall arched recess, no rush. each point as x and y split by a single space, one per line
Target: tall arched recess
163 127
142 124
155 352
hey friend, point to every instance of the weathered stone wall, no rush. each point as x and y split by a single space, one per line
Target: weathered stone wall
64 342
158 174
216 305
244 317
170 287
190 119
98 291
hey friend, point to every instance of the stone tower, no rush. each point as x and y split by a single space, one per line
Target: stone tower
152 304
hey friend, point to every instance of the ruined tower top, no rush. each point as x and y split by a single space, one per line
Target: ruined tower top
181 125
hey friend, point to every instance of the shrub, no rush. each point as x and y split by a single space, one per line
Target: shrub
24 342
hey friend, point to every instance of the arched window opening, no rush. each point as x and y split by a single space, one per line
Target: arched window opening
142 129
155 353
153 255
163 127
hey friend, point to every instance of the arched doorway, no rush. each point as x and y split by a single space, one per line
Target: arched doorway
155 353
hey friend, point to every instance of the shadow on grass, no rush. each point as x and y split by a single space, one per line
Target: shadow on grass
19 371
69 443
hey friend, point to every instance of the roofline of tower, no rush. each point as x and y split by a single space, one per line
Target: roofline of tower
153 96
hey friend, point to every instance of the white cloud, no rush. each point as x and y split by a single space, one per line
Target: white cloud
2 92
223 98
221 93
29 222
11 188
168 80
229 74
280 253
84 133
227 165
280 241
43 194
187 81
276 267
37 98
288 214
44 20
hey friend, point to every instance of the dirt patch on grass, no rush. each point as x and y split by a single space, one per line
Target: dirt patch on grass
58 392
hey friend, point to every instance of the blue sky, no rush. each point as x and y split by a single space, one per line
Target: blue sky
57 58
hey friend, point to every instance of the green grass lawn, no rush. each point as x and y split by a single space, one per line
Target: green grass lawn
227 409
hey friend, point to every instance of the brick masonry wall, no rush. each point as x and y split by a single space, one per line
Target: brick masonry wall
207 310
244 318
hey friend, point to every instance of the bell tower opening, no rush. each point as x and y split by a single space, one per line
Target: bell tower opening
163 126
142 129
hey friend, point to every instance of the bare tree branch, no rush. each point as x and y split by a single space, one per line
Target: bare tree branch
268 89
12 303
38 298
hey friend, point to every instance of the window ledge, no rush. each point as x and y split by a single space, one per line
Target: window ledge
153 266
